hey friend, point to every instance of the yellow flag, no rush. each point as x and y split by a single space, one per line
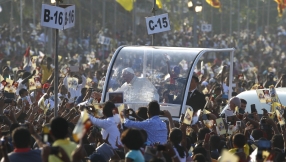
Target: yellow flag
281 4
276 106
126 4
9 87
214 3
159 3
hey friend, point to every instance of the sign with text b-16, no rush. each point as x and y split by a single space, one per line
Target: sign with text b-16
58 17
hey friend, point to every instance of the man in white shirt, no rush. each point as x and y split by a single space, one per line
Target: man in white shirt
75 92
108 125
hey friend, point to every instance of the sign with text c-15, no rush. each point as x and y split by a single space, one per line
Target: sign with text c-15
158 24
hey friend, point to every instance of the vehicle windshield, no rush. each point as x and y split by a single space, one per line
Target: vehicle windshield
145 73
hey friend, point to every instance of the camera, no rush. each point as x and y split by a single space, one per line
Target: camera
161 112
161 148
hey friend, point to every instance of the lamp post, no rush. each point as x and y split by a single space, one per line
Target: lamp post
196 7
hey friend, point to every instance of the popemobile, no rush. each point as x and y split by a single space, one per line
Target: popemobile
137 75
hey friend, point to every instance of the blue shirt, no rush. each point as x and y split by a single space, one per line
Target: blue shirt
155 128
135 155
79 99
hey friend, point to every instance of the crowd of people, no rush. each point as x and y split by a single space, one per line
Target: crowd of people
30 132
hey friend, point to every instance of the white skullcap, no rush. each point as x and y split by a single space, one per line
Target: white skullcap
129 70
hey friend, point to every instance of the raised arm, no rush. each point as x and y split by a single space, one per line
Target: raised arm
25 80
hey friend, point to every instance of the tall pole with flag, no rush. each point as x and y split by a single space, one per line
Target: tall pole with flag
11 19
134 23
91 26
247 23
281 4
215 4
268 8
230 18
115 20
34 13
21 19
238 16
257 16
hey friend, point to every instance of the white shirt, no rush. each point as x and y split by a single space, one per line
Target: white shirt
139 90
50 100
109 127
75 92
225 89
181 159
20 86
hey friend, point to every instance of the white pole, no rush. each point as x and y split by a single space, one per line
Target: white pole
247 23
21 19
115 20
133 24
80 25
11 19
230 75
230 18
91 25
268 8
34 13
257 19
103 27
238 18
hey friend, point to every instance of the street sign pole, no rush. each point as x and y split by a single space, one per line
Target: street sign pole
59 17
154 14
56 75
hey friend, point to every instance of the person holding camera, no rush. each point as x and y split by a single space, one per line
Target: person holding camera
154 126
108 124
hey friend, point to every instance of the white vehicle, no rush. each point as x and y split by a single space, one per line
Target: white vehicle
252 98
145 62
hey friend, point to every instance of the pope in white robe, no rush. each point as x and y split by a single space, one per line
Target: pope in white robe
137 89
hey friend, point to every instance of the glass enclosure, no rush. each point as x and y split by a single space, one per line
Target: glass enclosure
158 73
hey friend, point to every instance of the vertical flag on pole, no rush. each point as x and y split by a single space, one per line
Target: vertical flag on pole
214 3
126 4
159 3
281 4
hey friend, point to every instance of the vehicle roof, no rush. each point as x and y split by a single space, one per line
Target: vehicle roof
252 98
